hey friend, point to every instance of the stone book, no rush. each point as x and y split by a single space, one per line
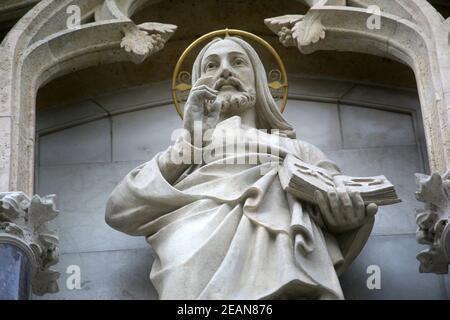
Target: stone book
303 179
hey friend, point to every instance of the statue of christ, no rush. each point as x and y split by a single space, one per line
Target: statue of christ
223 227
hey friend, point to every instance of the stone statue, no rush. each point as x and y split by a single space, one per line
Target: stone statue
223 227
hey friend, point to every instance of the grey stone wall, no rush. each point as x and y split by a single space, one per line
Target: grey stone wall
86 148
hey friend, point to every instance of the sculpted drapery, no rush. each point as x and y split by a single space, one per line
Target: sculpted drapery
224 228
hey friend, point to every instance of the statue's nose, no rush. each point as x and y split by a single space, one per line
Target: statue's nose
226 73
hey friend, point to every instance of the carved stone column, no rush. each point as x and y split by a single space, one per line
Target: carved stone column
27 247
433 222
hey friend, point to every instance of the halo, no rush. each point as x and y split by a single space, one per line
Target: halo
279 79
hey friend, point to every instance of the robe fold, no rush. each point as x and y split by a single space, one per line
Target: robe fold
227 230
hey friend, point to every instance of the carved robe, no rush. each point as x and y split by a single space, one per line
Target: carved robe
229 231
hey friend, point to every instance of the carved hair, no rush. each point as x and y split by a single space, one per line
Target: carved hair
268 115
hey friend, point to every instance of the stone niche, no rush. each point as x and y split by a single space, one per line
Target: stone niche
93 106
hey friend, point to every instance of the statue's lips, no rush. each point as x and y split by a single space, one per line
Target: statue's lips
228 84
228 87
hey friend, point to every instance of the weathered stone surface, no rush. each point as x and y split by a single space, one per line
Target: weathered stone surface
316 122
368 128
136 139
383 96
86 143
59 117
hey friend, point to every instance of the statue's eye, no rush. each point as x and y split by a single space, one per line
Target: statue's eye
210 65
238 62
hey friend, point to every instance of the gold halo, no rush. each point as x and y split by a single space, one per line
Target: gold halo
226 33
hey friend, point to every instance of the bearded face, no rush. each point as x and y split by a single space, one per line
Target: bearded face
234 96
230 68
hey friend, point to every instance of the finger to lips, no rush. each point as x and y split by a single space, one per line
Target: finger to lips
209 95
204 89
208 81
323 205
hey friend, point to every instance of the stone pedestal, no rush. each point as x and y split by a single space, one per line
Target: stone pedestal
27 247
15 271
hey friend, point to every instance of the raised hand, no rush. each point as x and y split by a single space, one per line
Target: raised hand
201 107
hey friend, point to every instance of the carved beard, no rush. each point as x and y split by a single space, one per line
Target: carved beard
235 101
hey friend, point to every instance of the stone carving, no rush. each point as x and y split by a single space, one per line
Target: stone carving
297 30
23 222
220 223
433 222
282 26
146 39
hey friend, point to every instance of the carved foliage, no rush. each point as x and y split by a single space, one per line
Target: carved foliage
146 39
25 221
433 222
297 30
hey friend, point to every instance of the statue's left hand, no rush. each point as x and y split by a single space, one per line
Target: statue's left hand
343 210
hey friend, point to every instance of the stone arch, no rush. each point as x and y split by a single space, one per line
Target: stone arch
41 47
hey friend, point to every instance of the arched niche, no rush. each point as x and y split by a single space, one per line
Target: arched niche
414 33
42 46
54 38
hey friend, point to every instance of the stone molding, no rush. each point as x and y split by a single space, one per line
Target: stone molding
24 223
